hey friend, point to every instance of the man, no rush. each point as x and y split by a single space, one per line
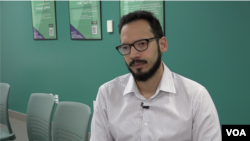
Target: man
151 103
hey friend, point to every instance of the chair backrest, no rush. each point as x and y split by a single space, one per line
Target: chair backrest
38 118
71 122
4 95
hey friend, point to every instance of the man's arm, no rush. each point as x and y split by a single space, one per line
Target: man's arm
99 125
206 124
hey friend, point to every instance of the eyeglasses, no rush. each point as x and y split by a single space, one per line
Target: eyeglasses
139 45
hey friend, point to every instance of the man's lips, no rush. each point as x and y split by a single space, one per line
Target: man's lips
137 62
138 65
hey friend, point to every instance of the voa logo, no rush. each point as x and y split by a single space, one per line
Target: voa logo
236 132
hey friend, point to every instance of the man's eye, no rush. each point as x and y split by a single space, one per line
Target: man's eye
142 44
124 48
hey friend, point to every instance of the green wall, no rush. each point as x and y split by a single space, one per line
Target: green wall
208 43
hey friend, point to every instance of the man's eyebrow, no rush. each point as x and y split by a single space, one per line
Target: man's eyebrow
125 44
133 42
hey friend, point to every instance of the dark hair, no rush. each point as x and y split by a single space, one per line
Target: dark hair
142 15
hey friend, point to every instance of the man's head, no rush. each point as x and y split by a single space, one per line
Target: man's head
142 15
143 58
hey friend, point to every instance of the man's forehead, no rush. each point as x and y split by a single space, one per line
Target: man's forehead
136 24
136 30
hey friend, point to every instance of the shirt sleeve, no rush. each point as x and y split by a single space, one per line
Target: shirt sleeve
206 124
99 124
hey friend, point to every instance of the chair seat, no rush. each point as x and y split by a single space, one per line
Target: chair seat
5 135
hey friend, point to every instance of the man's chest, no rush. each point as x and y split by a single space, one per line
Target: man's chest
164 120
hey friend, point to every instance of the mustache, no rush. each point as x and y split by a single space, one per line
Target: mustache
137 61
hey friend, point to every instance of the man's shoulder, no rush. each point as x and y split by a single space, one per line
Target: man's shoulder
120 81
183 79
186 84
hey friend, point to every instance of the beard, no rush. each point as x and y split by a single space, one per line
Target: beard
144 76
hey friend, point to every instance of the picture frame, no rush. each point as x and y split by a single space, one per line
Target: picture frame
85 20
44 20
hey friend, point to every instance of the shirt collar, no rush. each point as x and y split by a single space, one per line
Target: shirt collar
166 84
131 86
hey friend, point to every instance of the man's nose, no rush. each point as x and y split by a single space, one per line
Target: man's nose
134 53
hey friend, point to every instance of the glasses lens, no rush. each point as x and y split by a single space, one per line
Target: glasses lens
141 45
124 49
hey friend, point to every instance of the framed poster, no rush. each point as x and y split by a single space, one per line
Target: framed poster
156 7
85 20
44 19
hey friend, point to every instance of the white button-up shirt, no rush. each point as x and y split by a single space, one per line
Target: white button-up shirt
180 110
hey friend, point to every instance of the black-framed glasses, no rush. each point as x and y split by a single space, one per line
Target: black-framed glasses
139 45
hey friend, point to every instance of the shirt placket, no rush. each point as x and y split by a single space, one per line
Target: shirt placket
145 122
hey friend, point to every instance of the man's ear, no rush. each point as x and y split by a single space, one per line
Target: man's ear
163 44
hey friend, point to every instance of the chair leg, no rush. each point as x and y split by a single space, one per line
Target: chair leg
12 138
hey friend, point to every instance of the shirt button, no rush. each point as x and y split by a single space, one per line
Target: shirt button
145 123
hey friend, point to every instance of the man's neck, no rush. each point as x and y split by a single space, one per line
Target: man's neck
149 87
